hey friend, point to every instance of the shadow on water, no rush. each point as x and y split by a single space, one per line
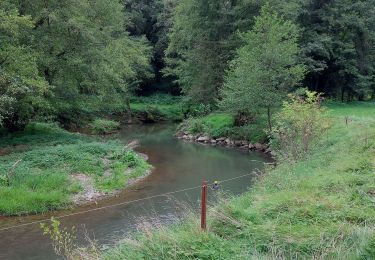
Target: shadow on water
177 165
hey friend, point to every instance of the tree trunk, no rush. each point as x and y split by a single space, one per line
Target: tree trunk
128 111
269 118
342 94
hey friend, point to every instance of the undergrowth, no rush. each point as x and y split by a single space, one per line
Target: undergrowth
160 107
104 126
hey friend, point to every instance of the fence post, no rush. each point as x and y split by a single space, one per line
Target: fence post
204 205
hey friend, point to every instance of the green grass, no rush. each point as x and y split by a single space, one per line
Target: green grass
353 109
47 158
222 125
163 107
322 207
215 124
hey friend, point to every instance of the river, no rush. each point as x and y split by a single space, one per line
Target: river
177 165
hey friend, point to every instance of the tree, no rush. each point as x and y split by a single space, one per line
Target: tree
201 44
85 52
336 43
22 89
152 19
265 68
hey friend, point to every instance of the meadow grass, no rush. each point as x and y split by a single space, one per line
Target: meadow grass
322 207
37 166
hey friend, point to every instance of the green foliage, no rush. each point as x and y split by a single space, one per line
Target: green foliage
196 110
319 207
104 126
44 178
158 107
265 68
335 42
152 18
215 125
62 239
222 125
201 43
22 90
81 48
299 124
64 242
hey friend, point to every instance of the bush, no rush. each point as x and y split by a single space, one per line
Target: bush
157 108
104 126
222 125
298 125
197 110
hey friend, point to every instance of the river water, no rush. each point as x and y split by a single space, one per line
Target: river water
177 165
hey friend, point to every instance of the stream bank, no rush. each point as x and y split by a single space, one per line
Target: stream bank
177 166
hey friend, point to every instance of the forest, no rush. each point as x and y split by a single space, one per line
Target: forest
62 60
86 86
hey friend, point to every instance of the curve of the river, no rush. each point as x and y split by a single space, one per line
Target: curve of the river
177 165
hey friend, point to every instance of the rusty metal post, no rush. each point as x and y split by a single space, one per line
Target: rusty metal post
204 206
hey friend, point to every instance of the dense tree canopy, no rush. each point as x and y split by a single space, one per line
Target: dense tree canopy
22 89
201 43
62 59
337 43
265 68
79 50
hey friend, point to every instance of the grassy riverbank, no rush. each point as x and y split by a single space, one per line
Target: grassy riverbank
319 208
44 167
159 107
219 124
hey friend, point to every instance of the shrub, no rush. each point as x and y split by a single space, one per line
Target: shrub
157 108
298 125
104 126
197 110
196 127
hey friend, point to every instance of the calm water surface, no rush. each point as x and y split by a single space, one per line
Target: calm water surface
177 165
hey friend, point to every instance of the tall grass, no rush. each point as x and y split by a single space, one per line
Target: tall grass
319 208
